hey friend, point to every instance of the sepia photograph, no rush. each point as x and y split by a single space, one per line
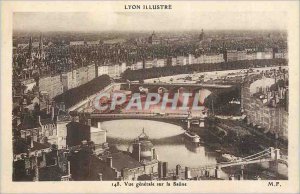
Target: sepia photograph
144 96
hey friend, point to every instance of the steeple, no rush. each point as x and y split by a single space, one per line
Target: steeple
143 135
41 45
201 37
30 47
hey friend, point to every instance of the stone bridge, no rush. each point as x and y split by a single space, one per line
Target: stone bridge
173 118
174 87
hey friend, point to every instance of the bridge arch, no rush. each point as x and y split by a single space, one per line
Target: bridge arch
180 123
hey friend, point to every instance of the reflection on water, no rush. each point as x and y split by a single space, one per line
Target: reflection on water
132 128
168 141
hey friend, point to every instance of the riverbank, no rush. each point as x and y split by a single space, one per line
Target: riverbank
237 148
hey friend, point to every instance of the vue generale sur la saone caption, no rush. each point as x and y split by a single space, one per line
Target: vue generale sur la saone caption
147 184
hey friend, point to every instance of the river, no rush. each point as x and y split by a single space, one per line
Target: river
169 143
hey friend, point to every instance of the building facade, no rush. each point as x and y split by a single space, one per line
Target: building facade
265 104
52 85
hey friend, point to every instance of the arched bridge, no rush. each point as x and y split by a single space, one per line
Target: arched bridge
215 88
141 115
164 117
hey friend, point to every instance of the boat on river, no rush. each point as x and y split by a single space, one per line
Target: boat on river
192 137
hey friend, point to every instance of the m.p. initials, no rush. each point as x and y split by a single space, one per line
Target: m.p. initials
274 184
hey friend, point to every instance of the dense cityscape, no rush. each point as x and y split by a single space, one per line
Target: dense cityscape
240 131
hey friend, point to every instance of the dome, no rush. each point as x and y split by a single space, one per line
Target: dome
146 154
146 145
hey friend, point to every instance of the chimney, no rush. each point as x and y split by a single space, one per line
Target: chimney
35 137
36 178
30 47
69 168
153 154
52 113
63 107
187 173
165 169
136 151
273 102
264 90
160 170
100 177
31 142
44 158
207 173
48 107
89 122
151 176
99 125
268 96
178 169
109 161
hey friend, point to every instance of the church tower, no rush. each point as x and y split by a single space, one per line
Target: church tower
30 47
41 49
201 37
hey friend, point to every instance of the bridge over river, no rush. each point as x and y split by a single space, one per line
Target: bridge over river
174 87
165 117
271 155
188 85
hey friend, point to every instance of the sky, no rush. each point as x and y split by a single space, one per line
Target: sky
139 21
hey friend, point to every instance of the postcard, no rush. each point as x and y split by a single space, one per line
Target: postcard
149 97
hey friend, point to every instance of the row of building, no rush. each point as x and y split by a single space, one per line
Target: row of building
264 101
77 75
230 55
57 84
